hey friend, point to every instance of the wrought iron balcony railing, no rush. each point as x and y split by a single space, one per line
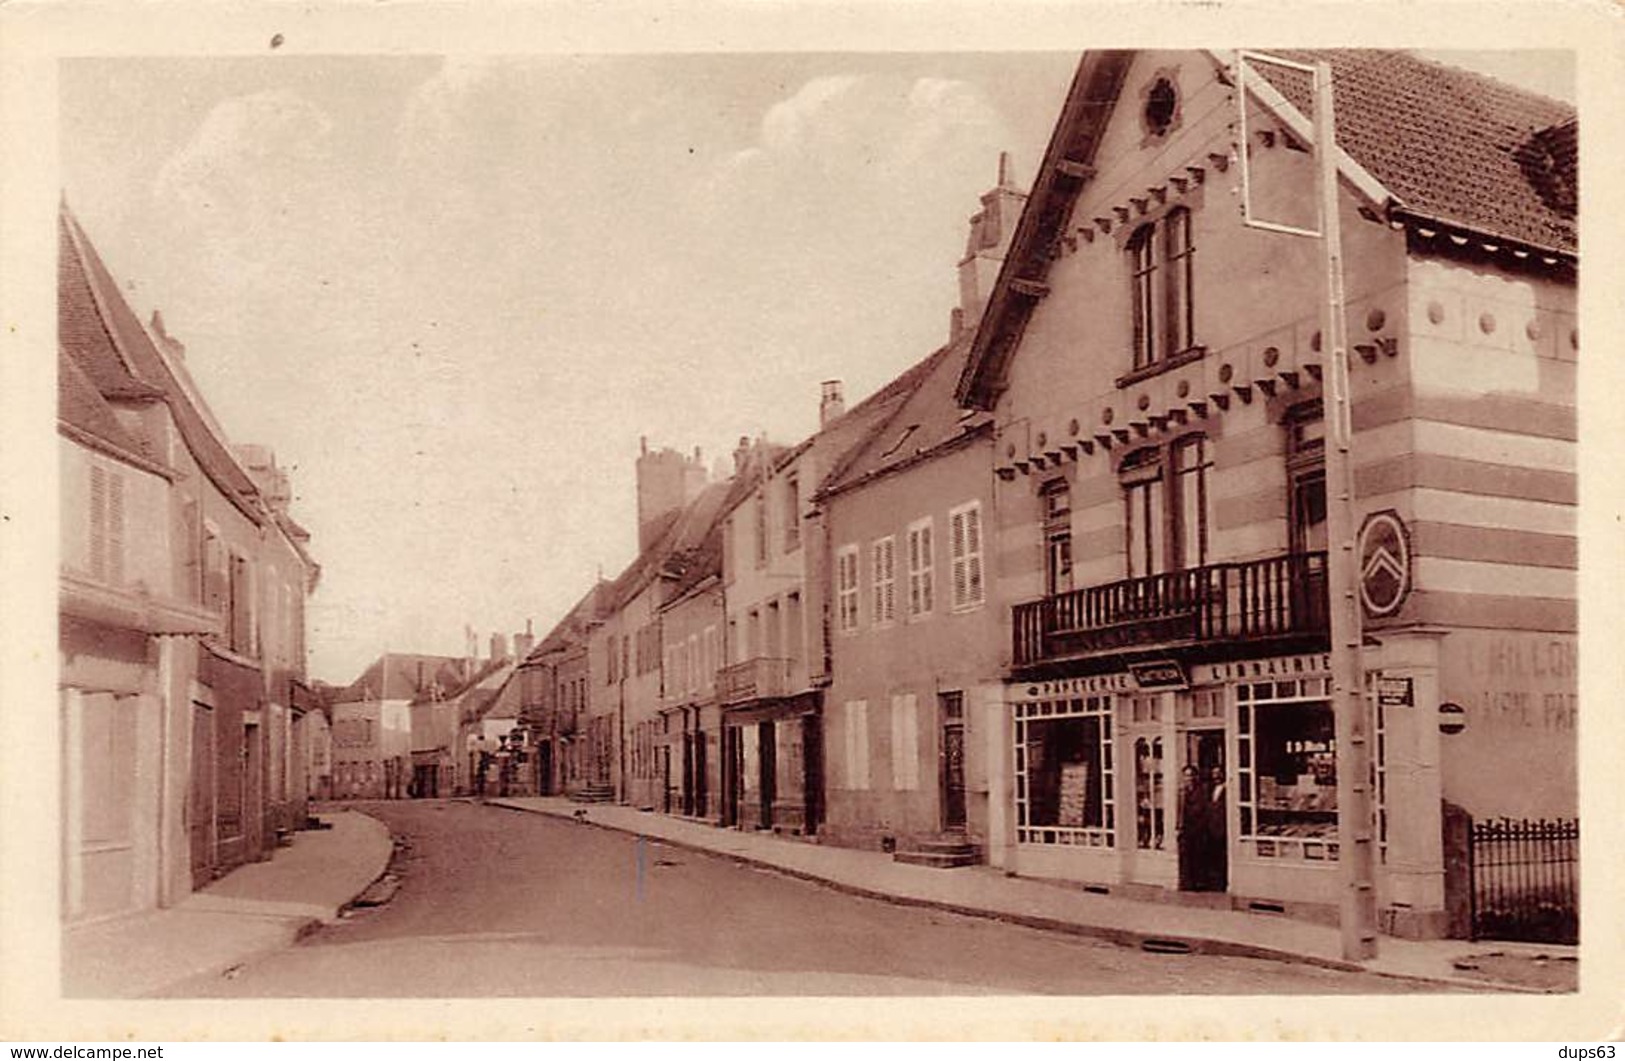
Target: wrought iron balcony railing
1274 597
753 679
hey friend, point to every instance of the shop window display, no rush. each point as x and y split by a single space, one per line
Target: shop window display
1287 769
1150 812
1064 772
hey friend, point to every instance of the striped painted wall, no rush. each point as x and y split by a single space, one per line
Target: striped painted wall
1480 453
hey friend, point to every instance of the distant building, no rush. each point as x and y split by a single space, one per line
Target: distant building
372 722
552 680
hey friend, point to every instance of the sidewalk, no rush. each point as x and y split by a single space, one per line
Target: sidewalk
259 907
982 891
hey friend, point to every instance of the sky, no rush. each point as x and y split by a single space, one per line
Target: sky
453 293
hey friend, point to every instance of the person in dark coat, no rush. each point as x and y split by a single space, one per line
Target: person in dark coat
1193 802
1215 834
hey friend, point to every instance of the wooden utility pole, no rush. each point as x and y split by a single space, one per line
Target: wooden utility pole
1351 712
1356 854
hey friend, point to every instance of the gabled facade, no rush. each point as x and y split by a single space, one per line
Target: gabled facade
183 581
373 722
1154 372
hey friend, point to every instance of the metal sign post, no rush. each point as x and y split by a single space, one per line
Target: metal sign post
1356 849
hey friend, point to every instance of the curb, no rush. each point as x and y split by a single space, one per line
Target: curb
297 929
377 879
1120 936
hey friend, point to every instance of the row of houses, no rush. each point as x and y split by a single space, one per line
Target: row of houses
190 739
1056 597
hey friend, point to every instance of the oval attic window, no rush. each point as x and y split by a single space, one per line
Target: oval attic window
1160 104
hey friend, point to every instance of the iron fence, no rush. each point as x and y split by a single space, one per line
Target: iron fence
1525 880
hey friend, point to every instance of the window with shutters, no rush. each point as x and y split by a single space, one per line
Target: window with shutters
759 510
905 743
846 588
242 630
883 571
713 657
191 538
921 596
857 744
965 547
106 525
792 514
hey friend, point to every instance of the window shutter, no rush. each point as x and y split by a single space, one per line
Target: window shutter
973 555
98 522
115 528
956 547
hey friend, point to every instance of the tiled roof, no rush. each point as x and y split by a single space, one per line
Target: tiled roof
79 404
404 676
686 529
98 321
926 419
572 628
689 566
82 330
1452 145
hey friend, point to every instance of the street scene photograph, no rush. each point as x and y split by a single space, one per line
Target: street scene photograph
869 524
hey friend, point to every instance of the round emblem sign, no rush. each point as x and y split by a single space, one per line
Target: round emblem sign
1385 564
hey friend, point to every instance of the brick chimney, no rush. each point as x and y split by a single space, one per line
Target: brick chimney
260 463
831 402
523 643
499 648
991 229
741 454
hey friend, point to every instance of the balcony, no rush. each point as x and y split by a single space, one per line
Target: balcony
759 678
1277 597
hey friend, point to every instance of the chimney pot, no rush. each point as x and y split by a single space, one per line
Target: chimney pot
831 402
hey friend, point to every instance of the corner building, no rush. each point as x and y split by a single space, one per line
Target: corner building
1154 367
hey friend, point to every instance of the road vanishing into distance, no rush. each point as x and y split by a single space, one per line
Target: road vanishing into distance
496 902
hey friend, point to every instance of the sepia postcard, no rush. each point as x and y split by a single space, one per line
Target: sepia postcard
809 521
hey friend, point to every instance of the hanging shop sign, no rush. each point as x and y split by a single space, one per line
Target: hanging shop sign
1396 692
1159 674
1385 564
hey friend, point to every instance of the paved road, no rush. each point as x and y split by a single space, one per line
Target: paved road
500 903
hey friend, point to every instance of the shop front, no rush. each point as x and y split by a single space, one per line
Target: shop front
1204 777
772 766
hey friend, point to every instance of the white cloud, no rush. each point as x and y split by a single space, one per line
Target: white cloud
244 150
791 123
436 109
